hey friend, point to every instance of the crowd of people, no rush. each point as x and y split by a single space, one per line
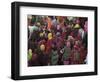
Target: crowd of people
57 40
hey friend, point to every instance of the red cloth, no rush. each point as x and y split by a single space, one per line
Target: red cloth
48 46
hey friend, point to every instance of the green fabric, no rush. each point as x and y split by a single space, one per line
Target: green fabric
35 28
29 55
77 56
54 57
67 52
33 19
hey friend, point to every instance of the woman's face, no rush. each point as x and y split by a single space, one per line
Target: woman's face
68 44
58 27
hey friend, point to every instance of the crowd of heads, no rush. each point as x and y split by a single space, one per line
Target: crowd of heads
57 40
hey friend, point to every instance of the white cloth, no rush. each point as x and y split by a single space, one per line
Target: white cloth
81 32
